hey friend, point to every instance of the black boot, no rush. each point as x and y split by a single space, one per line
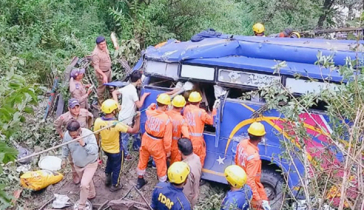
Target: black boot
140 183
108 180
115 188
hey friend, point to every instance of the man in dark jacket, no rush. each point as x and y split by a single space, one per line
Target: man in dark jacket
240 194
169 196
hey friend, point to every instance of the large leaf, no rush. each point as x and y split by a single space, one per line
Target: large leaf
7 153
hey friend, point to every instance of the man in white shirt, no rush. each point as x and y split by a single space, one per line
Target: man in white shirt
129 104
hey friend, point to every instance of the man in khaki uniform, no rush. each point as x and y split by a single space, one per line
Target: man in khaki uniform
78 89
192 187
101 62
84 117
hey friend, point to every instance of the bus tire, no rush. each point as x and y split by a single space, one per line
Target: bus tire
273 183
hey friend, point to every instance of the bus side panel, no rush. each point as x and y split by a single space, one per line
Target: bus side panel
218 158
236 118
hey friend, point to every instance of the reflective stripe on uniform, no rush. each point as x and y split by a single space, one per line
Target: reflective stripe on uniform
195 134
175 138
153 137
162 179
140 172
250 157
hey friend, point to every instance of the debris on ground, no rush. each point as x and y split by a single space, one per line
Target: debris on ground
23 152
61 201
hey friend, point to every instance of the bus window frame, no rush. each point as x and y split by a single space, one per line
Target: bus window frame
250 71
306 79
159 75
198 80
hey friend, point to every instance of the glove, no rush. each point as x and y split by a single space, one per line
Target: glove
265 205
216 104
187 86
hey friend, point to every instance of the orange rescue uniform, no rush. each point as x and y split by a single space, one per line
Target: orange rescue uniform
156 142
196 119
179 128
247 156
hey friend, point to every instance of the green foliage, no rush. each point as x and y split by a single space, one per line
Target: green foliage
7 153
212 201
150 22
45 34
277 15
9 180
16 97
128 51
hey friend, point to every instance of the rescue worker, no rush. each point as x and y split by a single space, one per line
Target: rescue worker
192 187
84 153
196 119
130 103
84 117
169 196
101 62
239 196
156 141
77 89
258 29
247 156
179 126
287 33
110 141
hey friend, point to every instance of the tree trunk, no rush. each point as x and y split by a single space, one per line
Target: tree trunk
326 8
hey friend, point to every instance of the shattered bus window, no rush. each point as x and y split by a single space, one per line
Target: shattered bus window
246 78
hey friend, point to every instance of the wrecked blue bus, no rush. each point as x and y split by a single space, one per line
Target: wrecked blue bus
240 64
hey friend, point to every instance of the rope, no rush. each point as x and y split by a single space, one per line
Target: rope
74 140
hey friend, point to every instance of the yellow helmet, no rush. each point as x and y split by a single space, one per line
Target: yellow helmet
178 172
109 106
256 129
164 99
258 28
236 176
179 101
194 97
295 35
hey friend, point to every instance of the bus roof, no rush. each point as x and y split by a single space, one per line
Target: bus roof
283 49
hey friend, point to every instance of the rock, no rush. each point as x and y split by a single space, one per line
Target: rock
23 152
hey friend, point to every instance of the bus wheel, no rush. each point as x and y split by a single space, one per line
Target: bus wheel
273 184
